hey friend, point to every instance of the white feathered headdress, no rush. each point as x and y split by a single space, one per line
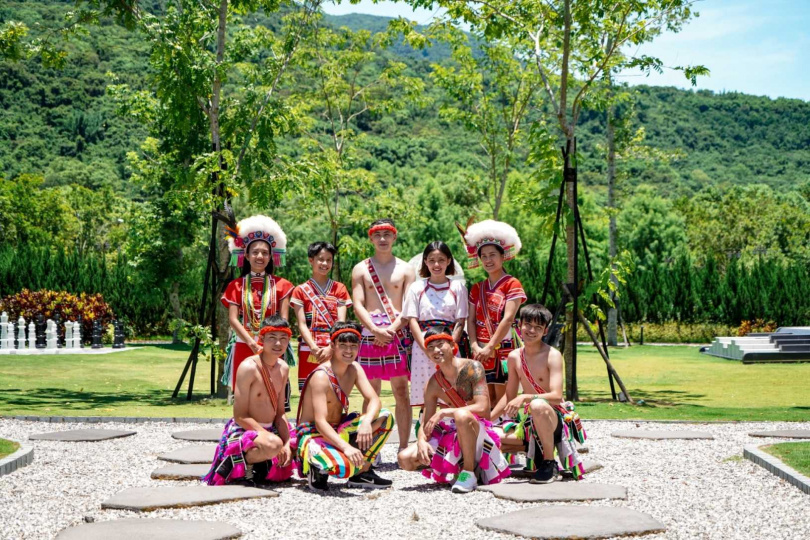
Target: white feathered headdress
490 232
255 228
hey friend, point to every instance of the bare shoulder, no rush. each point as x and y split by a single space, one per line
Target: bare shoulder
248 367
359 270
285 369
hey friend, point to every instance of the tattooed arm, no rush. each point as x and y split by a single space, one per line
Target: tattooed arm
471 385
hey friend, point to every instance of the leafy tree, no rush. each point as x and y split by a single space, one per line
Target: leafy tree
567 41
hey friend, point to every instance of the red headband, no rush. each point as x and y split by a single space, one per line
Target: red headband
268 329
336 333
434 337
383 227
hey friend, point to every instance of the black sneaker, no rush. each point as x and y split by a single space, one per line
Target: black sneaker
260 472
316 479
368 480
545 473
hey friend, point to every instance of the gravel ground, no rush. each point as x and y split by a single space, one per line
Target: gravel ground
698 489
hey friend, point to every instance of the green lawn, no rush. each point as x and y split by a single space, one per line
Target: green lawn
793 454
7 448
674 382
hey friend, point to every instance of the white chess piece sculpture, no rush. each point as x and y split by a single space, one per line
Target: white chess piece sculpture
77 336
32 336
50 336
20 333
69 335
3 331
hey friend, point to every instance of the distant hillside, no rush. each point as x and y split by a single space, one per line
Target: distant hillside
60 123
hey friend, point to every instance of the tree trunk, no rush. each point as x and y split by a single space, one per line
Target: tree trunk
611 205
174 301
570 350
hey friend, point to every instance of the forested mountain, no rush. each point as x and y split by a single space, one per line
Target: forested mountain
61 125
722 177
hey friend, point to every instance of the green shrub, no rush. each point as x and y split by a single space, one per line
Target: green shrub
69 307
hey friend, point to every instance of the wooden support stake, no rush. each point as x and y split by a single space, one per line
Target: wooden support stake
598 345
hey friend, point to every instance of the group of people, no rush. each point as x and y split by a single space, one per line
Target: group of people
463 353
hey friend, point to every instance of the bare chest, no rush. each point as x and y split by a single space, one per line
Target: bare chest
392 284
539 371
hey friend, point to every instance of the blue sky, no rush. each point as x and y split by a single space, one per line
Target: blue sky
759 47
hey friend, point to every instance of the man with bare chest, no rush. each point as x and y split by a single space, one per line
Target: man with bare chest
456 443
332 441
539 413
257 438
378 288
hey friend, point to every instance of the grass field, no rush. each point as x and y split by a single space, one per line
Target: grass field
7 448
674 382
793 454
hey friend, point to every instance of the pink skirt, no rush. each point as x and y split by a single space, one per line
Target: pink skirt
382 362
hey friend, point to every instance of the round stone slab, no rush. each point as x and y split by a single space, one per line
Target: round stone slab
147 499
206 435
656 435
181 471
203 453
783 433
573 522
154 529
81 435
556 491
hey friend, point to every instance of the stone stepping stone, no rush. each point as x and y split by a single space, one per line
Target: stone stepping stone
203 453
153 529
783 433
556 491
181 471
81 435
657 435
200 435
154 498
573 522
590 466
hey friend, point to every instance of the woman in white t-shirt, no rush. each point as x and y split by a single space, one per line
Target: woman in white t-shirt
435 301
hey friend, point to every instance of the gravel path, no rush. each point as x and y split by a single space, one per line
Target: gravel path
698 489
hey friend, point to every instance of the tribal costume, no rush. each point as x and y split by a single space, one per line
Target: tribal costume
321 312
265 293
229 464
569 429
264 300
314 449
490 465
433 306
489 304
390 360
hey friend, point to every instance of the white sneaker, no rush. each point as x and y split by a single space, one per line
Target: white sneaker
465 483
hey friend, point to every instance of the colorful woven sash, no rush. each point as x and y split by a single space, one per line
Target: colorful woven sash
386 304
568 416
455 399
314 295
333 380
268 385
